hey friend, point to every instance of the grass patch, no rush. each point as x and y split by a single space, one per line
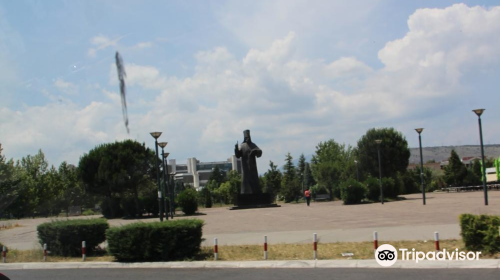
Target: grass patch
36 255
326 251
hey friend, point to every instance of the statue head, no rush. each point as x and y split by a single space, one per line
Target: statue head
246 136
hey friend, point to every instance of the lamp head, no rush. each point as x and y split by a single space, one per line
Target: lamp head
419 130
166 155
162 144
378 141
478 112
155 134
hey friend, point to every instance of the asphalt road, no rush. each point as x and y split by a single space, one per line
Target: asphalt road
257 274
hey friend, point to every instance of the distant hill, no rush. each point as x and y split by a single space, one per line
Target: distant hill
443 153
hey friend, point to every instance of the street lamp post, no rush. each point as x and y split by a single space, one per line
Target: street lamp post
479 112
155 136
419 130
165 187
380 171
357 170
170 188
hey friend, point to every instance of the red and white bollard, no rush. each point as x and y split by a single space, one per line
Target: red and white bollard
216 250
436 240
315 245
45 252
265 247
84 253
4 254
375 241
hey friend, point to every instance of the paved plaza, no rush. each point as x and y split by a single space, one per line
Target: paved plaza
333 222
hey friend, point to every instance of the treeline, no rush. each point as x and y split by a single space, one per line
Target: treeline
119 178
347 172
352 173
30 187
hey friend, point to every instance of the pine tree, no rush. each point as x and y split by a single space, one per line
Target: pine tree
290 188
456 172
301 169
308 177
273 179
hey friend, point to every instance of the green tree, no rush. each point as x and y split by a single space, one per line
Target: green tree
455 172
217 175
34 198
328 175
414 185
213 190
273 179
394 153
118 169
308 177
477 168
301 168
333 163
234 180
290 187
10 187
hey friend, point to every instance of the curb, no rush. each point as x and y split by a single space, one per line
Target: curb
490 264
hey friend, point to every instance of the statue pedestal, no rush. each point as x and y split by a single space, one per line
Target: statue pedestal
254 200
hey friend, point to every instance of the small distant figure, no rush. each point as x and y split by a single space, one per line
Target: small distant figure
307 193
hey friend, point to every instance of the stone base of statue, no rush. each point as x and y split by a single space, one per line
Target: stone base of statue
254 200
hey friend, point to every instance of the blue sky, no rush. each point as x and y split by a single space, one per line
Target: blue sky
293 72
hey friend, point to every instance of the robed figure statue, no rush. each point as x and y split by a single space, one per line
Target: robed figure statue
248 153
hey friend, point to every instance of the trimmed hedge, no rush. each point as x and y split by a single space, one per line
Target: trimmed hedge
64 238
480 232
158 241
352 192
188 201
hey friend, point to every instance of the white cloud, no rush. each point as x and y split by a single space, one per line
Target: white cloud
66 87
58 129
100 43
259 23
142 45
288 101
449 39
347 67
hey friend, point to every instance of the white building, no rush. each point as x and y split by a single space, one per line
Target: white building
197 173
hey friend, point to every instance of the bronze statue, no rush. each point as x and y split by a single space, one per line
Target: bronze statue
248 153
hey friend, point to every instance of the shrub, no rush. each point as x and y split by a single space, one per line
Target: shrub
390 186
188 202
480 232
173 240
352 192
65 238
373 189
88 212
407 183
